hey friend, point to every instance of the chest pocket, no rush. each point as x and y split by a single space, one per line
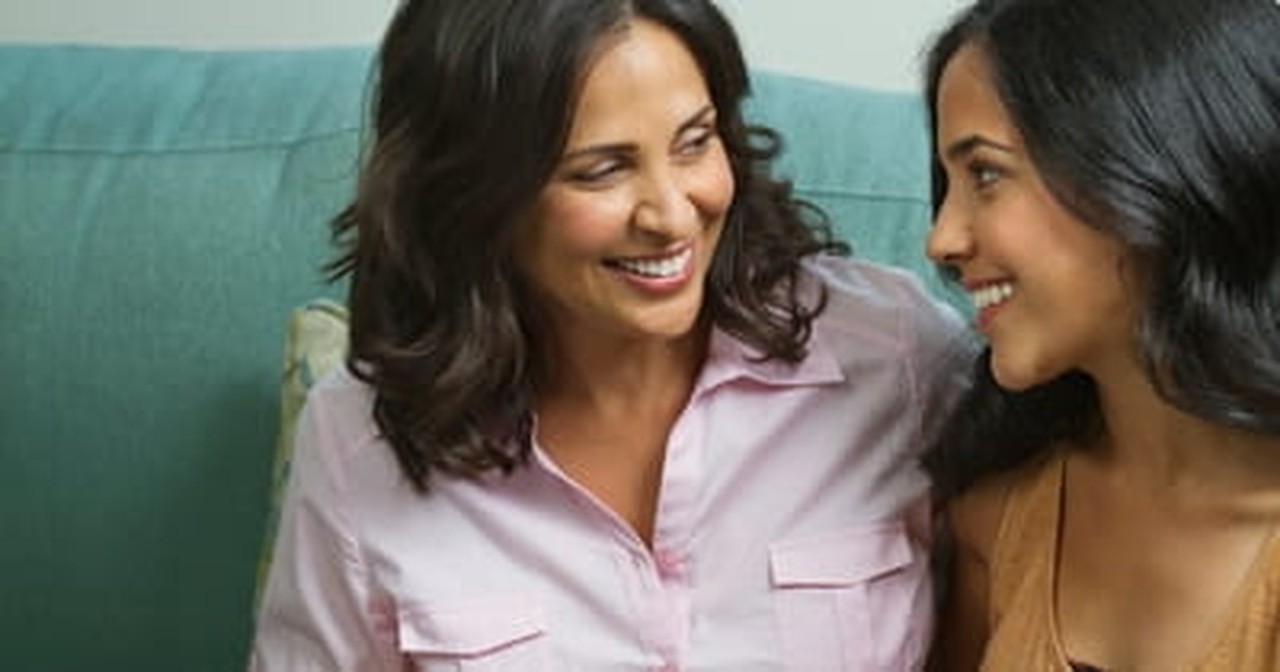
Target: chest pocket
859 596
485 634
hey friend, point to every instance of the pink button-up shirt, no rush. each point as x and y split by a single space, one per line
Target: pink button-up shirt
791 530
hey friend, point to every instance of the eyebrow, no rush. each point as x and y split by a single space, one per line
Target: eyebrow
969 144
699 117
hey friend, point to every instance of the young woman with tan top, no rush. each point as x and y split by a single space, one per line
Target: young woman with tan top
1108 190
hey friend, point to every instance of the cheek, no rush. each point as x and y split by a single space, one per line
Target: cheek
582 224
1019 236
1114 298
712 186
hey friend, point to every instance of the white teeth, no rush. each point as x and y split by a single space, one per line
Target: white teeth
991 295
656 268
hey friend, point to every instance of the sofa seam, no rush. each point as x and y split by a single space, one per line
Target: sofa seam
859 193
228 147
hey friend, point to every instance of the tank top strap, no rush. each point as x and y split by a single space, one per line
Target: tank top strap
1030 526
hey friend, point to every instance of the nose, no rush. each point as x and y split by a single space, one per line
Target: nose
666 204
950 241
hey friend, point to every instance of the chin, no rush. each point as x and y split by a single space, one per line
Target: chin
674 328
1015 377
673 321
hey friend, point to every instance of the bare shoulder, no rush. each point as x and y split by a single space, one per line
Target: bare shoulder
976 514
974 518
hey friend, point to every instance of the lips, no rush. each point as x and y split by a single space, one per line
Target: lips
655 267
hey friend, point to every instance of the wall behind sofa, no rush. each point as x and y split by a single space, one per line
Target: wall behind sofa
871 42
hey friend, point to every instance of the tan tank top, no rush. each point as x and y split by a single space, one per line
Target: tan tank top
1024 633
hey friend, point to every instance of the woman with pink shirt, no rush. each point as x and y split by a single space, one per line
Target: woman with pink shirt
615 400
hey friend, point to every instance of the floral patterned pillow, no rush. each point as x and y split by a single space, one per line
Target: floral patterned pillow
315 344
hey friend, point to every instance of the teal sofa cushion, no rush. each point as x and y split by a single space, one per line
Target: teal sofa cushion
161 213
862 156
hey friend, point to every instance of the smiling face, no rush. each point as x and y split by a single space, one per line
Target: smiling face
619 241
1051 293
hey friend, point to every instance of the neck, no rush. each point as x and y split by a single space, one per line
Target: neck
1173 454
618 377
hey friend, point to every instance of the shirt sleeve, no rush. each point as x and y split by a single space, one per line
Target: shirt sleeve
942 361
318 613
936 346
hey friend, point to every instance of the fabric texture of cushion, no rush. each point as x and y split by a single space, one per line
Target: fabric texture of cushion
160 211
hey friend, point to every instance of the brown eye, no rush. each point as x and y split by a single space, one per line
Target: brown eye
984 175
695 141
597 173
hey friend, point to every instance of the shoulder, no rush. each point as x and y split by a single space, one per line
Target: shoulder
977 515
339 392
881 314
974 516
339 383
860 279
883 303
337 417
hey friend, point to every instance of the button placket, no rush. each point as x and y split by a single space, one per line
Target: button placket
670 566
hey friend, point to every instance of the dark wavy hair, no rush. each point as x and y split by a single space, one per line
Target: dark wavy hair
1157 122
471 113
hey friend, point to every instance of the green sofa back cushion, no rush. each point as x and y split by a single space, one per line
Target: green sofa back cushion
161 212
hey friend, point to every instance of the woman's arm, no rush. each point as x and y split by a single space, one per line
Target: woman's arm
318 613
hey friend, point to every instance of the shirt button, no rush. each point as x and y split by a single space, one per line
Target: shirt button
669 565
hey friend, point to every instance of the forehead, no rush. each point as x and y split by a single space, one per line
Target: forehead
968 103
642 65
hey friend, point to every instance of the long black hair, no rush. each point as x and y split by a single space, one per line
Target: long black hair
1158 122
471 112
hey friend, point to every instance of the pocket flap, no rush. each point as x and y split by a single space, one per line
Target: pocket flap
841 558
469 626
